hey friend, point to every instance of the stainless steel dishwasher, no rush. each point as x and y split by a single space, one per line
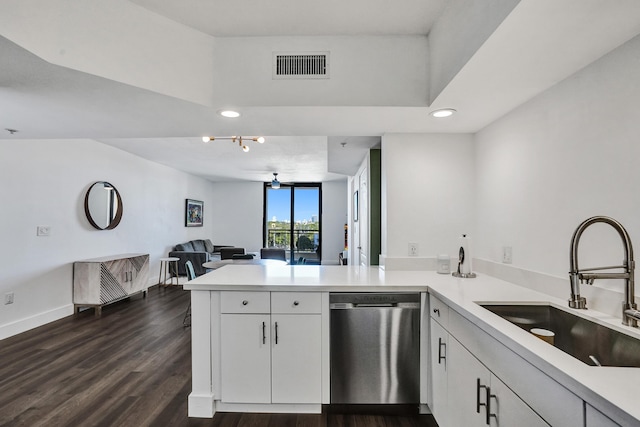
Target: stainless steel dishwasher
375 351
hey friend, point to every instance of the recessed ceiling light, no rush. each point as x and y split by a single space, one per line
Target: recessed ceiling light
443 112
229 113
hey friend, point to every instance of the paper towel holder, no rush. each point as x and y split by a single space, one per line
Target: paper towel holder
458 273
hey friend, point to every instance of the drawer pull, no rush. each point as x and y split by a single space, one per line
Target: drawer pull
296 303
245 302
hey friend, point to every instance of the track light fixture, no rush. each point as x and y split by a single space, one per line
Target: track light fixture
239 139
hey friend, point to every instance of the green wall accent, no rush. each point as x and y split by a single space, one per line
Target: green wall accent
375 196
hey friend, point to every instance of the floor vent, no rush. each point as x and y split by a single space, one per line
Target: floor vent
303 65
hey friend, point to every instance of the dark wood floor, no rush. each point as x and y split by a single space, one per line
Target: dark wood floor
130 367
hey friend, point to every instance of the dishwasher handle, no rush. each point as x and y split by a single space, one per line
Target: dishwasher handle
350 305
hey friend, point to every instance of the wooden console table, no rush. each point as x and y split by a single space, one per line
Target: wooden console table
101 281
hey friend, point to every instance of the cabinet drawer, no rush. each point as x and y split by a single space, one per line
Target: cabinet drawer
439 311
296 302
245 302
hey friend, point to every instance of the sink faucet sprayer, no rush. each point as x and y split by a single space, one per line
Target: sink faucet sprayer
630 315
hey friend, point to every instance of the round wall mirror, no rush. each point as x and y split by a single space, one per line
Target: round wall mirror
103 206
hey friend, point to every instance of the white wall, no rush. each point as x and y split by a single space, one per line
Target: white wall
363 71
456 36
566 155
238 209
428 198
43 183
334 217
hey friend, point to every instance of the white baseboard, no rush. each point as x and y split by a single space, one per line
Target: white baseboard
269 408
23 325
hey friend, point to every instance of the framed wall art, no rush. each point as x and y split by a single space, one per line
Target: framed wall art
194 211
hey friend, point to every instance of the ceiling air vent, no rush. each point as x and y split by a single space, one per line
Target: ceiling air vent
302 65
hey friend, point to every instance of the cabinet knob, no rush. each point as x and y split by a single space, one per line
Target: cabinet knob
296 303
245 302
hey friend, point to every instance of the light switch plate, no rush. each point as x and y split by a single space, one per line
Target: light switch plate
43 230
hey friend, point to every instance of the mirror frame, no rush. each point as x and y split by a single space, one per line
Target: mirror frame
118 216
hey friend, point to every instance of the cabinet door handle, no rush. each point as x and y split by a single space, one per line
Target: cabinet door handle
436 311
489 414
442 355
487 401
478 388
276 332
264 333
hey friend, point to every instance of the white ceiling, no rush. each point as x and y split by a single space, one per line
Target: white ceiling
231 18
538 45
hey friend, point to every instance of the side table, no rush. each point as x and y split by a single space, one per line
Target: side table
168 270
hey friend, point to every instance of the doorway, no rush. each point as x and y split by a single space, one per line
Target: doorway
293 221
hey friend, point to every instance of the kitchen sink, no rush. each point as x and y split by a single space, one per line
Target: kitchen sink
587 341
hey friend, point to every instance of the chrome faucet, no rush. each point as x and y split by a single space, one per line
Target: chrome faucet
630 314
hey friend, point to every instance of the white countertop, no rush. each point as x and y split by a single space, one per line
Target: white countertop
308 278
610 389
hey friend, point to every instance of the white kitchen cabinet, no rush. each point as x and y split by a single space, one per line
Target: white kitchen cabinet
274 355
439 350
465 391
246 358
509 409
467 381
296 358
480 397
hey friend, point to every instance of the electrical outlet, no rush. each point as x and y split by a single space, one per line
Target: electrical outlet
43 230
507 254
413 249
8 298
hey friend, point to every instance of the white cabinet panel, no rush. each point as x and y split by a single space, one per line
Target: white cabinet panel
246 358
439 349
595 418
270 358
439 311
296 302
509 410
296 359
245 302
467 382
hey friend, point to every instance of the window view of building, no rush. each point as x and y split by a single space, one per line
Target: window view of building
300 237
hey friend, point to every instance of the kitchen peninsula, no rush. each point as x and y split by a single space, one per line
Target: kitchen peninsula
529 377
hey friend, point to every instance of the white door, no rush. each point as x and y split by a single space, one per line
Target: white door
363 217
245 358
296 358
